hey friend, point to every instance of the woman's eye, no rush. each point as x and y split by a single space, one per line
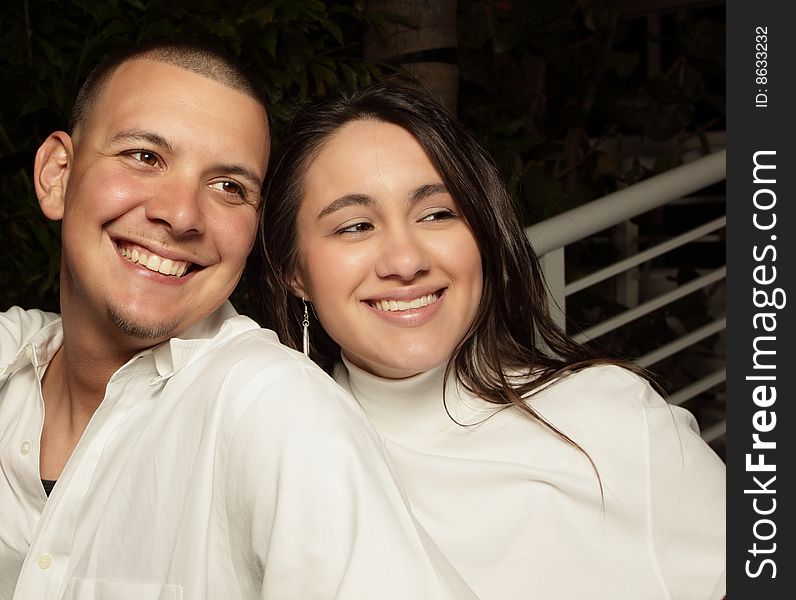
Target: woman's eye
439 215
146 157
360 227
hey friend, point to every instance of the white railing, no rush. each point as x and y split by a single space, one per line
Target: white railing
549 238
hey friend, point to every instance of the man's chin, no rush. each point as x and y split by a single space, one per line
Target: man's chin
153 332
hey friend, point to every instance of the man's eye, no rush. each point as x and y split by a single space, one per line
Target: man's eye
230 187
148 158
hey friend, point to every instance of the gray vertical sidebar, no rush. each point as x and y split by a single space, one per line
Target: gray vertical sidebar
761 233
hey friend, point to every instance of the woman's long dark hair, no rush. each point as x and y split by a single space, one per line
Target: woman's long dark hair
512 333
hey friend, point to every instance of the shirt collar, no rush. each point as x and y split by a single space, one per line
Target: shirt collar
176 353
411 410
38 350
170 357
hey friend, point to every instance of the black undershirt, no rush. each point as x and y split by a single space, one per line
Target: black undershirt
48 485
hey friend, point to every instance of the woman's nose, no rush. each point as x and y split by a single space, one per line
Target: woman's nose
402 255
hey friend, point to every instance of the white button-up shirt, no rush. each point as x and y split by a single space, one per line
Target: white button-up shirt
222 465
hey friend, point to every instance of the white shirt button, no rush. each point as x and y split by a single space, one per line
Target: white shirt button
44 561
24 448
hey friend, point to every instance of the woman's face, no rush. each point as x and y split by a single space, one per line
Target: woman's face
388 261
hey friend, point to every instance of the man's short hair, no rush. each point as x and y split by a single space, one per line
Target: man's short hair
205 60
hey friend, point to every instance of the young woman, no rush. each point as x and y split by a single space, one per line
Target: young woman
541 471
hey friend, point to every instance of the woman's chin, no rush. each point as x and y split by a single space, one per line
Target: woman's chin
392 368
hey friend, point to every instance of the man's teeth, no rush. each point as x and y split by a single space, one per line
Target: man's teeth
398 305
153 262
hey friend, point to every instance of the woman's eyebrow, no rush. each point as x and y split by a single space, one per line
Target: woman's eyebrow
345 201
429 189
424 191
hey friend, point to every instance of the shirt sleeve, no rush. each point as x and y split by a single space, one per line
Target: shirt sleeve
313 505
687 503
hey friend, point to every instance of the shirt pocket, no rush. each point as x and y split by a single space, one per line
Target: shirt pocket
97 589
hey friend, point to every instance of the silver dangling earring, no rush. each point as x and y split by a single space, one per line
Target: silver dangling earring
305 324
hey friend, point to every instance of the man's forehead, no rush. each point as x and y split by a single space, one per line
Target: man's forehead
143 91
148 74
144 76
204 70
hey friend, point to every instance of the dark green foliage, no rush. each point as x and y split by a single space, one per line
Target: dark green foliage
545 84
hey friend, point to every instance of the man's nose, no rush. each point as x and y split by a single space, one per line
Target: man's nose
179 206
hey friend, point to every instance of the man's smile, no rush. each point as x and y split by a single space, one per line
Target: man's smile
154 262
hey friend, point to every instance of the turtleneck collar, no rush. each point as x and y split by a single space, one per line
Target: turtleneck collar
411 410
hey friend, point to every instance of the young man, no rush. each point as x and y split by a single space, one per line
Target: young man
193 456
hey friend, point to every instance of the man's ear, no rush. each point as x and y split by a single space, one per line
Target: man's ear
51 173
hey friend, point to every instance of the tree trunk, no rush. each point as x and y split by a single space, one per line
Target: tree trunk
426 49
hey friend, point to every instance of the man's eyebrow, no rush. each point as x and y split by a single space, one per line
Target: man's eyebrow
345 201
141 135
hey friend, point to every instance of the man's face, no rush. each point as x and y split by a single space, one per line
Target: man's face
161 202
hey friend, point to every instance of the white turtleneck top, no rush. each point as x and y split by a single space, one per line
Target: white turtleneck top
519 512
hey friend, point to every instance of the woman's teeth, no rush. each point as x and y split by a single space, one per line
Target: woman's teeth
399 305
